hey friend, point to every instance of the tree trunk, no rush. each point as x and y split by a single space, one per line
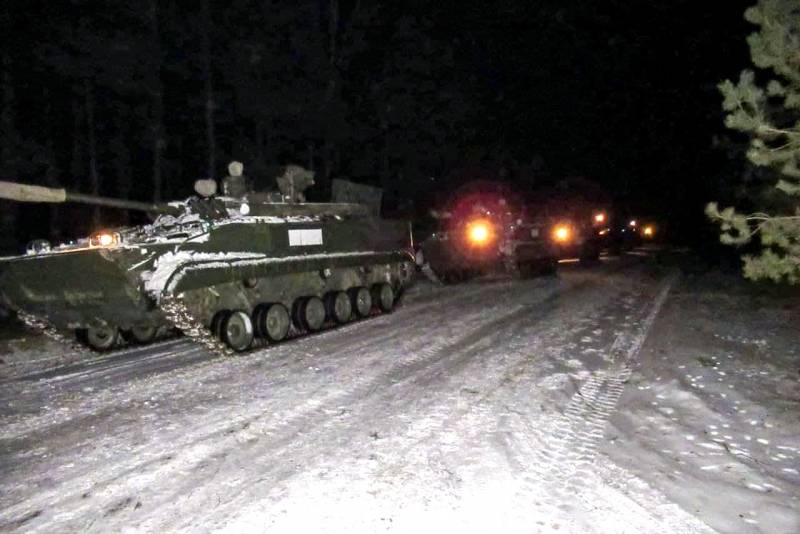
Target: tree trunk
210 103
385 170
51 177
333 30
331 92
8 210
157 97
310 148
122 166
76 161
91 144
260 157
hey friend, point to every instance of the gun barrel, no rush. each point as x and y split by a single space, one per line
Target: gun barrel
31 193
117 203
37 193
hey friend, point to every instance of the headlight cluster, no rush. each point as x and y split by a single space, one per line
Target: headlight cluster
105 239
562 233
479 232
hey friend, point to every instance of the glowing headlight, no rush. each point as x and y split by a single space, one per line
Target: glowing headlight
479 232
648 231
104 239
561 233
632 223
599 217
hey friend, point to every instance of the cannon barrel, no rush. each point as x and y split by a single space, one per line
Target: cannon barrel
37 193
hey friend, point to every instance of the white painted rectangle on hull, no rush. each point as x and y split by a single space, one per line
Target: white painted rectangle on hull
305 237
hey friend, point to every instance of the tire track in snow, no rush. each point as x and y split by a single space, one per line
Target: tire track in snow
138 363
90 359
438 417
338 342
284 427
281 432
558 461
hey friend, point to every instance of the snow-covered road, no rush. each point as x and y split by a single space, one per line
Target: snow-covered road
480 407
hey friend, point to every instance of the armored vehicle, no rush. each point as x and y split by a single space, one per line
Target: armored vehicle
229 271
580 216
485 233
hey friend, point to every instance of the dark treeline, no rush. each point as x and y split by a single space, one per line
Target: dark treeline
139 99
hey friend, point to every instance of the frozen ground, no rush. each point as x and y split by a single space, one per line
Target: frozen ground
619 398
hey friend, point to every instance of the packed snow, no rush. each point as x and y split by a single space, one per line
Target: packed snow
618 398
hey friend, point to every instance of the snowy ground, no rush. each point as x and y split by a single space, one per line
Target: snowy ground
619 398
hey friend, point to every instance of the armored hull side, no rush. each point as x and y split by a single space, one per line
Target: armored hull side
231 264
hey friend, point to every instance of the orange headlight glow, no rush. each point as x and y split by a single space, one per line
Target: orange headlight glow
599 217
104 239
648 231
562 233
479 232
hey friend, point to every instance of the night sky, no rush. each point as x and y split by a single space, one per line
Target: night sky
417 98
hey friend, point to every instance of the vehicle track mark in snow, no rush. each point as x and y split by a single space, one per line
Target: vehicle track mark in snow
561 455
251 426
92 359
281 429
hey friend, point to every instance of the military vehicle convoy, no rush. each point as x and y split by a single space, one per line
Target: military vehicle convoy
492 231
228 271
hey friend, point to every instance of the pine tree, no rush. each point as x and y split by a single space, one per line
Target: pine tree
766 106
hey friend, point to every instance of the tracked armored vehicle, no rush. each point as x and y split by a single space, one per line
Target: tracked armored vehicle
226 271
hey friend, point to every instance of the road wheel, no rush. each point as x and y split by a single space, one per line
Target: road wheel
310 313
272 321
101 336
237 331
339 306
383 296
216 323
140 334
361 300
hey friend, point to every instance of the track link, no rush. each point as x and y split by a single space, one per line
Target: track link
178 315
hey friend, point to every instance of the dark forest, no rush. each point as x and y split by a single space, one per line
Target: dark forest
137 100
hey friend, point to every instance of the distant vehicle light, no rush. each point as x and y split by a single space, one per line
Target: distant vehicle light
561 233
600 217
648 231
603 232
479 232
633 223
104 239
